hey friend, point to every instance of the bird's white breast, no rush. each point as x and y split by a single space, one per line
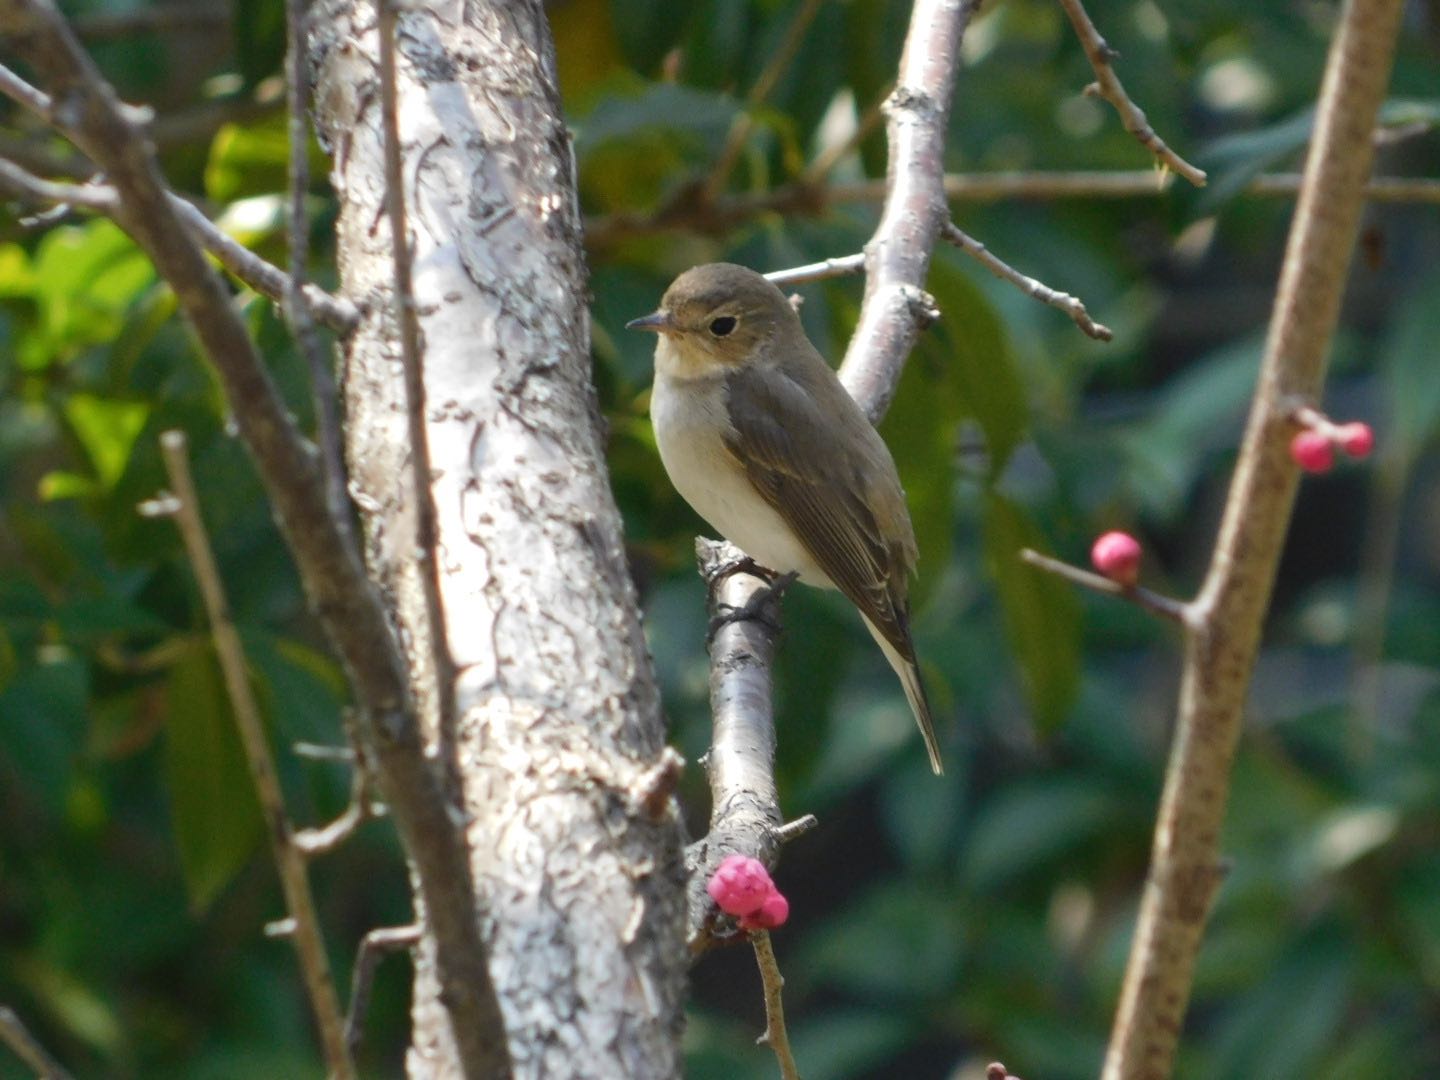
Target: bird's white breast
689 415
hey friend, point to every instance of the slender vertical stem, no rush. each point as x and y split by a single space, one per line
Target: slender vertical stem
776 1034
1228 614
297 304
427 533
289 861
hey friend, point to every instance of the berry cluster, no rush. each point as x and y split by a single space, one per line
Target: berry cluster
742 887
1313 447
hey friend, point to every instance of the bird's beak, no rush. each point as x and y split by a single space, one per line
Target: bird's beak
658 321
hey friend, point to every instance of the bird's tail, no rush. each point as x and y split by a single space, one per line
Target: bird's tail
914 686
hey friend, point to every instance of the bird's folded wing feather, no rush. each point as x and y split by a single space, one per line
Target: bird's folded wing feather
827 492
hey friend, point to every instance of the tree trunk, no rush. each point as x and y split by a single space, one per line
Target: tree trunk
557 722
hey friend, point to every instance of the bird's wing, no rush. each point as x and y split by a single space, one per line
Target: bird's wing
832 492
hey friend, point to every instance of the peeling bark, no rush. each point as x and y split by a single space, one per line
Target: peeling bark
581 884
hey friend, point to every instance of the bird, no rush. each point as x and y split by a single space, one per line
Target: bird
760 437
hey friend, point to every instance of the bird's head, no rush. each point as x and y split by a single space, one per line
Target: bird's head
718 317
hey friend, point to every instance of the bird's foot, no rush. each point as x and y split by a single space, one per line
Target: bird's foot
754 607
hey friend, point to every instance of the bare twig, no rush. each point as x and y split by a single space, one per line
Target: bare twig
799 827
427 533
19 184
838 267
318 356
759 91
374 947
1070 305
27 1048
1229 611
1152 602
801 200
776 1035
104 26
326 838
897 259
22 93
744 805
289 861
265 278
1107 86
344 598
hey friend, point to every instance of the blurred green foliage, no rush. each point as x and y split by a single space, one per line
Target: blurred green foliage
935 922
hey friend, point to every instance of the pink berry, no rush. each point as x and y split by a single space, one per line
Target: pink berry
1356 439
1312 452
1117 556
772 913
740 885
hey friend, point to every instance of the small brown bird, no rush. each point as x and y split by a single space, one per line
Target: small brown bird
760 437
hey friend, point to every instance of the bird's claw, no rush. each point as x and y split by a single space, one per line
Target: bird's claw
754 607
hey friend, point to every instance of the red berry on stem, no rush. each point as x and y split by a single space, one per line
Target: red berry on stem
740 885
1356 439
1312 452
1117 556
772 913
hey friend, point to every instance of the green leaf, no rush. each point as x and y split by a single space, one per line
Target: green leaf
1199 413
248 159
259 27
639 143
1041 612
1026 825
86 278
1233 161
970 344
42 717
1409 358
213 808
648 29
841 1043
897 942
107 429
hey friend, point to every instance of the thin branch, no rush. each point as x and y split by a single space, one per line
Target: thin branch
1152 602
740 130
318 356
19 184
1070 305
427 531
1229 612
797 828
374 947
289 861
897 259
27 1048
776 1035
799 200
745 813
105 26
345 600
22 93
838 267
267 279
1107 86
326 838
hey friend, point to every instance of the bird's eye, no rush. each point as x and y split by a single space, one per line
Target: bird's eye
723 325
